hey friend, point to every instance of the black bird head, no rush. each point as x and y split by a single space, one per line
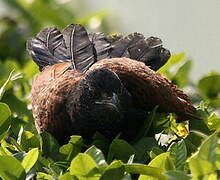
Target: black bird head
105 87
101 101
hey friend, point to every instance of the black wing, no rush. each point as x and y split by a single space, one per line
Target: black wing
51 46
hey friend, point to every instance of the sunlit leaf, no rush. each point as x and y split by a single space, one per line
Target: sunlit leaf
70 150
145 170
84 166
67 176
29 140
11 168
41 175
114 171
174 60
177 175
162 161
5 114
181 78
30 159
213 122
97 155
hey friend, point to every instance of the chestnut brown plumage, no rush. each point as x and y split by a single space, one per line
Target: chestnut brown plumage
93 82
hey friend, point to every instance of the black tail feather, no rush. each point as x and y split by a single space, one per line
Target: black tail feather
74 45
101 45
135 46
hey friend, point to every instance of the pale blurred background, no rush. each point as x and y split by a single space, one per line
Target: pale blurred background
190 26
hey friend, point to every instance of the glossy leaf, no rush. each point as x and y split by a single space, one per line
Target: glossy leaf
181 78
162 161
177 175
209 86
67 176
70 150
213 122
50 145
84 166
97 155
4 119
114 171
11 168
120 149
143 146
29 140
178 153
145 170
30 159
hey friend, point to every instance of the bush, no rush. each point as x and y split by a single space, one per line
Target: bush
187 150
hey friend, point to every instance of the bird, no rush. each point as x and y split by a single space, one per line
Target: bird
93 82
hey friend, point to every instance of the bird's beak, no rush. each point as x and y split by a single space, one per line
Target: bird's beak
111 102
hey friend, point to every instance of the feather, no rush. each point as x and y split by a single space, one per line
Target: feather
135 46
44 48
79 47
50 47
101 45
40 53
120 47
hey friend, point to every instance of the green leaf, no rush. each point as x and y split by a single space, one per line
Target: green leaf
44 176
208 149
181 78
177 175
178 153
203 163
11 168
84 166
114 171
50 145
30 159
145 170
97 155
199 126
162 161
209 86
70 150
174 59
67 176
147 124
29 140
213 122
143 146
17 106
200 167
120 149
101 142
4 119
155 152
161 123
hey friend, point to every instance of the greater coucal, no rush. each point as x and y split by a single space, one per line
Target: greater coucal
94 82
